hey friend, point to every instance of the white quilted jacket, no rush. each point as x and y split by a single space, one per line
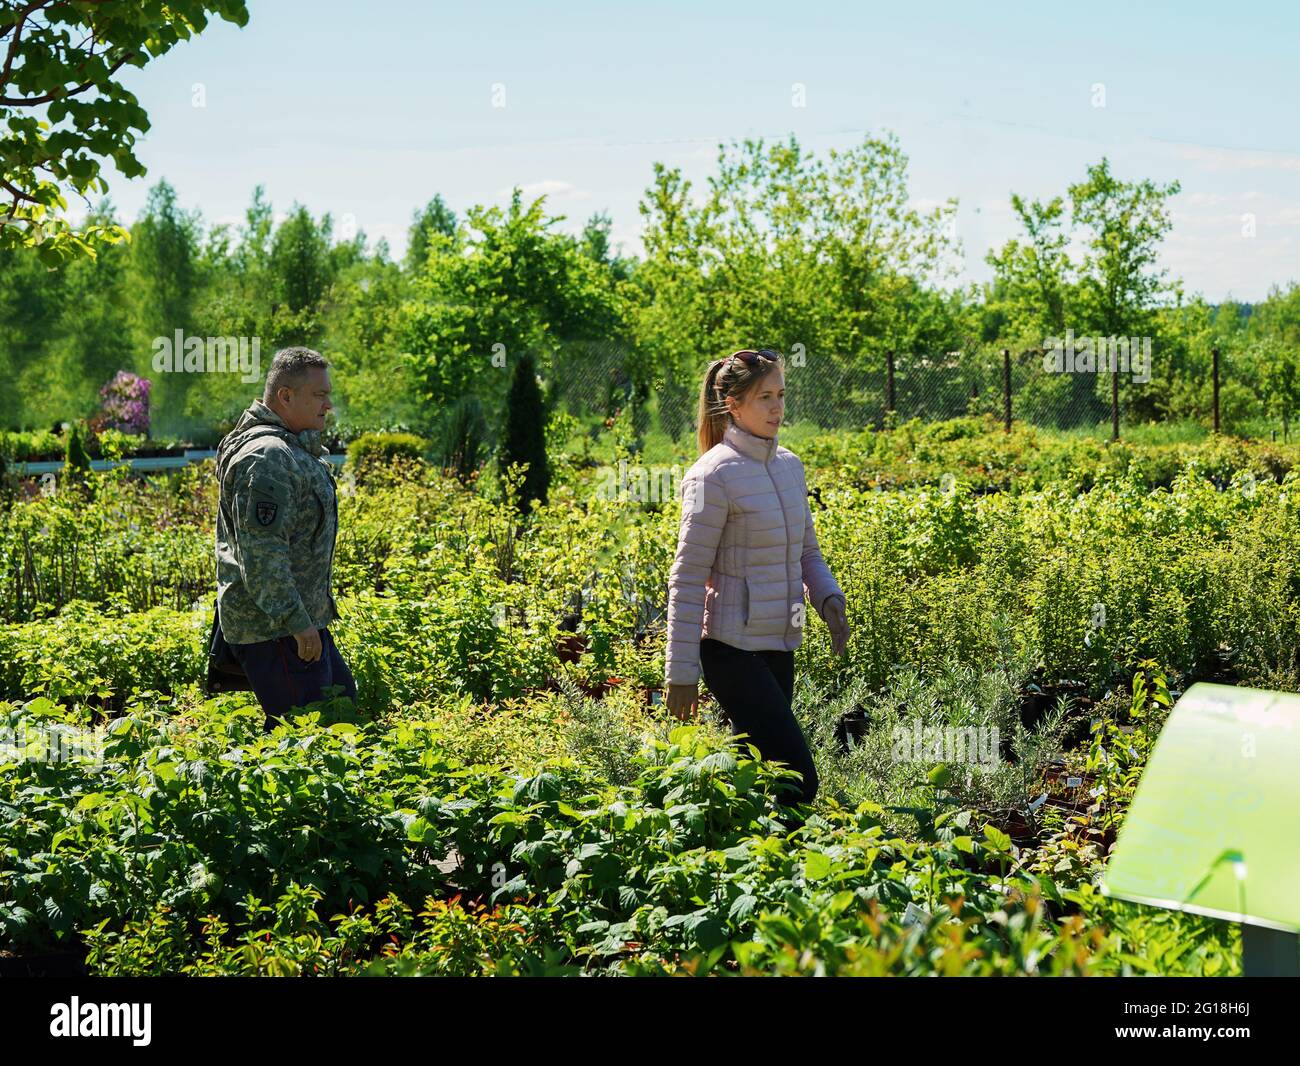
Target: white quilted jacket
746 554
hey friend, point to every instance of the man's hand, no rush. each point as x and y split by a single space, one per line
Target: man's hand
309 646
837 623
683 701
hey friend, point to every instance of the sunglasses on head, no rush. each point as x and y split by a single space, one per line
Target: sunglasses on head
750 357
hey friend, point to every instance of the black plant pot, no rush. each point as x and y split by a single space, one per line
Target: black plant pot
852 727
64 963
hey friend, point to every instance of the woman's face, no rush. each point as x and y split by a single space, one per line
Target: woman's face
764 407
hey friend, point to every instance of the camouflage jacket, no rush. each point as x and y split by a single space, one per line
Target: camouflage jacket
276 525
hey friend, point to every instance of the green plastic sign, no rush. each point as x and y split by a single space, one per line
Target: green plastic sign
1214 828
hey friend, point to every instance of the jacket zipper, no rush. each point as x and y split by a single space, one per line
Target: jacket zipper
323 513
329 567
785 562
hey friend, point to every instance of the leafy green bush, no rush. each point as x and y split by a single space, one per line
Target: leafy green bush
290 939
76 463
198 818
79 654
464 443
372 450
142 544
160 855
29 446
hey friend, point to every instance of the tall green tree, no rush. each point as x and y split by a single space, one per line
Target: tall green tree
1115 288
671 314
1277 317
523 438
94 339
253 252
825 257
1036 291
31 309
374 386
165 285
164 260
1121 282
596 245
300 265
434 217
505 286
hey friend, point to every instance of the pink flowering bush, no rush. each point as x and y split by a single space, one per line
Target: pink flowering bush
126 403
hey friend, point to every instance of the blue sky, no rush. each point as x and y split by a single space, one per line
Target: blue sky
366 110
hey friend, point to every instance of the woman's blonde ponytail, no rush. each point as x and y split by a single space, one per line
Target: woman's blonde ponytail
711 417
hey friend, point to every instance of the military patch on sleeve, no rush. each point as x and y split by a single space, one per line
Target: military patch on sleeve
266 511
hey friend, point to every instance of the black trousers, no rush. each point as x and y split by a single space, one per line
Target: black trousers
756 692
282 681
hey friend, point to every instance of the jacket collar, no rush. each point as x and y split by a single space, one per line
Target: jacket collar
259 414
760 448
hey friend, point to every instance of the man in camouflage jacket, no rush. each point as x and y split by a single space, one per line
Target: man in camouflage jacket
276 525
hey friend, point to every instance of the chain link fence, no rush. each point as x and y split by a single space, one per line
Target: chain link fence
592 382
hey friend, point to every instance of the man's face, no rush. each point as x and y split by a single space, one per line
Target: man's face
306 406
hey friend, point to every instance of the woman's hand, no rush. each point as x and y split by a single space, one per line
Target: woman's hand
837 623
683 701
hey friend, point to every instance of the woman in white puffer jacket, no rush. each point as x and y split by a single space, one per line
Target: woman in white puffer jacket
747 557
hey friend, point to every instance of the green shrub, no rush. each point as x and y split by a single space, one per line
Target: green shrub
378 449
161 854
464 444
523 436
142 544
82 655
31 446
227 812
76 463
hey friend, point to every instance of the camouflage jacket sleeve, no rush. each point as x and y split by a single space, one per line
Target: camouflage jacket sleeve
263 501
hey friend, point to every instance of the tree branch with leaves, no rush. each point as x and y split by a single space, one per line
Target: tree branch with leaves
64 111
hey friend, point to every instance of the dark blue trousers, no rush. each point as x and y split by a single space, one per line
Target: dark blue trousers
282 681
755 690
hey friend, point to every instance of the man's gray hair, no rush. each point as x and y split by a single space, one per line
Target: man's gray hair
289 370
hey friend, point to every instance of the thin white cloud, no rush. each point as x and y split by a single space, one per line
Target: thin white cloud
552 189
1221 159
923 205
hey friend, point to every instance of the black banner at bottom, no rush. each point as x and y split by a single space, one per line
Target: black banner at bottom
336 1014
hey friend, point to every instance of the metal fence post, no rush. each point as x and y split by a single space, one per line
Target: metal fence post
889 382
1114 401
1215 353
1006 389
